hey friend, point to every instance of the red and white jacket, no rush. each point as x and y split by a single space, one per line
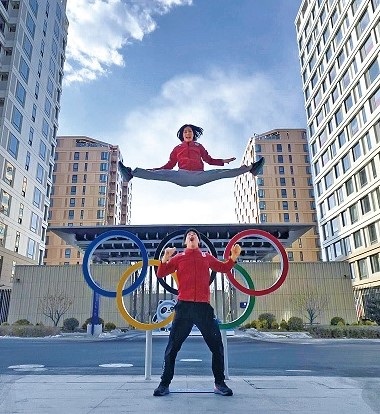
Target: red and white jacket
189 156
193 274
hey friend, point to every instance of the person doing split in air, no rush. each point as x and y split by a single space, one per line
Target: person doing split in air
190 156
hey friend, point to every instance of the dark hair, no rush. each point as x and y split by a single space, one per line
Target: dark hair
197 131
191 230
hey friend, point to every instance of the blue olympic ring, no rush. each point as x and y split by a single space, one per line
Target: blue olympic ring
90 250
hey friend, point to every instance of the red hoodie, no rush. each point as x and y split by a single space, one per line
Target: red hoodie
189 156
193 274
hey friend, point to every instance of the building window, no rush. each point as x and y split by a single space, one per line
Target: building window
286 217
365 204
71 215
67 253
354 214
5 202
42 150
372 73
16 119
9 173
372 233
40 173
31 248
24 186
100 214
363 271
357 239
283 193
20 93
285 205
73 190
24 69
37 197
374 100
363 177
34 223
375 263
27 46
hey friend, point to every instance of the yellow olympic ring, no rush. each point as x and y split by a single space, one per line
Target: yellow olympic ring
120 303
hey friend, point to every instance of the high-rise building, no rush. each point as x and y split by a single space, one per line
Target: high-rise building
33 36
283 191
88 190
339 44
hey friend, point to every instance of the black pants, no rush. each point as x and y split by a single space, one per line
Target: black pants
202 315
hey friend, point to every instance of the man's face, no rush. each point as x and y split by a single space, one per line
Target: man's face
188 134
192 241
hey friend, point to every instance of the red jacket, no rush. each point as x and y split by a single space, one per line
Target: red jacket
193 274
189 156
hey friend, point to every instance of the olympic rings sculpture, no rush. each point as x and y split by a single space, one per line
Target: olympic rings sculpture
145 262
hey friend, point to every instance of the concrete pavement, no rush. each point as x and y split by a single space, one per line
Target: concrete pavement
113 394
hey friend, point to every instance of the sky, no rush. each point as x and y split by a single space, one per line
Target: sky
137 70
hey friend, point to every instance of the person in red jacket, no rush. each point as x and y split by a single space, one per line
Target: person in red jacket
193 306
190 156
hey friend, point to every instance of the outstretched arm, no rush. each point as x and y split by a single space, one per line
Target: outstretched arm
228 160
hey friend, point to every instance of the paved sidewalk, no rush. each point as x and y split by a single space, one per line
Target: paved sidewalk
113 394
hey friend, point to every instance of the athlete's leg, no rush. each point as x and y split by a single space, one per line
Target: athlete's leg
208 325
180 330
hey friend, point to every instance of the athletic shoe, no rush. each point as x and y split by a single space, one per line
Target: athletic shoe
222 389
257 166
125 171
161 390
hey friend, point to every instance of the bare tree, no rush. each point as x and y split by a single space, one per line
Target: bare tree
310 305
54 306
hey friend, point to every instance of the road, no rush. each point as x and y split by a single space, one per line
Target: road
246 355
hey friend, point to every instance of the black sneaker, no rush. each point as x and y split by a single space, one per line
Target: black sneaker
161 390
222 389
125 171
257 166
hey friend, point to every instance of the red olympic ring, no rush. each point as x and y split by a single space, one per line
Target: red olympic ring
277 245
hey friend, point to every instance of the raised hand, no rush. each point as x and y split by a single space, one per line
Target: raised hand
169 251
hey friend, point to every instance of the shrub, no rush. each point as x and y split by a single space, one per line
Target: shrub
256 324
295 324
336 319
22 322
274 325
28 330
70 324
88 321
269 317
109 326
351 331
284 325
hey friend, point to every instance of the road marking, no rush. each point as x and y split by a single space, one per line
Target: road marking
118 365
190 360
298 370
28 367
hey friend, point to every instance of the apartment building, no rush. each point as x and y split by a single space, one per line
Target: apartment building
339 48
88 190
283 192
33 36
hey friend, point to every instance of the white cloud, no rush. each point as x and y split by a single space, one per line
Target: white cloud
99 29
231 107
